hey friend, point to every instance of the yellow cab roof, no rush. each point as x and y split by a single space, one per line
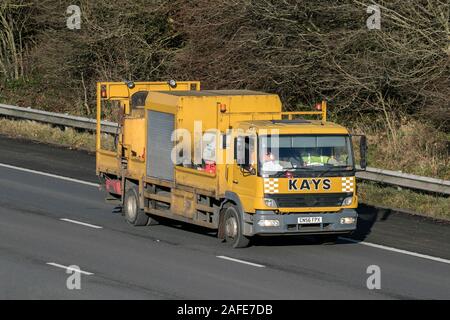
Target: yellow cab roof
299 126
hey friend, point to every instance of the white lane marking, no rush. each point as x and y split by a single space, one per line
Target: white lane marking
409 253
241 261
68 268
49 175
82 223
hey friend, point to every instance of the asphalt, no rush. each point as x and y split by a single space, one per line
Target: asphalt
173 261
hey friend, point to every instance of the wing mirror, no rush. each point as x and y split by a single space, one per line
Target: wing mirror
363 152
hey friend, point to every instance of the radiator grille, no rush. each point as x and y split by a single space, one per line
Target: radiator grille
309 200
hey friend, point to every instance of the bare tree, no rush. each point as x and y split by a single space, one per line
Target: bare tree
310 50
14 16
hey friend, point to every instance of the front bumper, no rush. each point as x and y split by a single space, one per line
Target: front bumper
331 223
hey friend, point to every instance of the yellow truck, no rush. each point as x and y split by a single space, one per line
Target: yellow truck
228 160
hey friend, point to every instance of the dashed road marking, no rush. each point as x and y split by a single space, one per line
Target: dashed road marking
82 223
69 268
369 244
409 253
241 261
49 175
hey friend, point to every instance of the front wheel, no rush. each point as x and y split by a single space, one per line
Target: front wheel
132 211
232 229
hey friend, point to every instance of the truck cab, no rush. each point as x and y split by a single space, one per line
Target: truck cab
300 180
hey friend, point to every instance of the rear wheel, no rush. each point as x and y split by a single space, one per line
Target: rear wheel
133 213
232 229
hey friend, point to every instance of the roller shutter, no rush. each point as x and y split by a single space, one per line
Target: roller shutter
159 144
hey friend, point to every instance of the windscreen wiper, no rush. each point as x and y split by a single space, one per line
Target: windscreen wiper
281 173
330 169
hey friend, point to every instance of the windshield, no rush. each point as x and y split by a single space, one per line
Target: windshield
304 152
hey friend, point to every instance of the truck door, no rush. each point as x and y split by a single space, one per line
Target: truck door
244 178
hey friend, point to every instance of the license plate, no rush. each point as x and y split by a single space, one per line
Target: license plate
309 220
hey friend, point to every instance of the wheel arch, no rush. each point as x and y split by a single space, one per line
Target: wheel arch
127 183
231 198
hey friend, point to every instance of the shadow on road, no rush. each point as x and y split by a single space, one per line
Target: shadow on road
367 217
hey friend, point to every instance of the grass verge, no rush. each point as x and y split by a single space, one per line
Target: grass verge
429 205
46 133
411 146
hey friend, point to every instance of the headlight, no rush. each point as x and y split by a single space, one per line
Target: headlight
347 201
348 220
269 223
270 203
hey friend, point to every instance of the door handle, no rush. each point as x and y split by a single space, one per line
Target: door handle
235 181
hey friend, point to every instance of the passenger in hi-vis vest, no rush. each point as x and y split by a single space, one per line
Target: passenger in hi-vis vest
326 157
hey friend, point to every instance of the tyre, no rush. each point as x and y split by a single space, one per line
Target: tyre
232 229
132 211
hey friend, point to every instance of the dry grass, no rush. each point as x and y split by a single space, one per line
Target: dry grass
409 146
422 204
46 133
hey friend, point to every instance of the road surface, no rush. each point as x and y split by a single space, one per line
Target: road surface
48 223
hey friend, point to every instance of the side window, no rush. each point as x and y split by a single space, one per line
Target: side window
138 99
137 104
245 151
209 147
202 156
238 150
